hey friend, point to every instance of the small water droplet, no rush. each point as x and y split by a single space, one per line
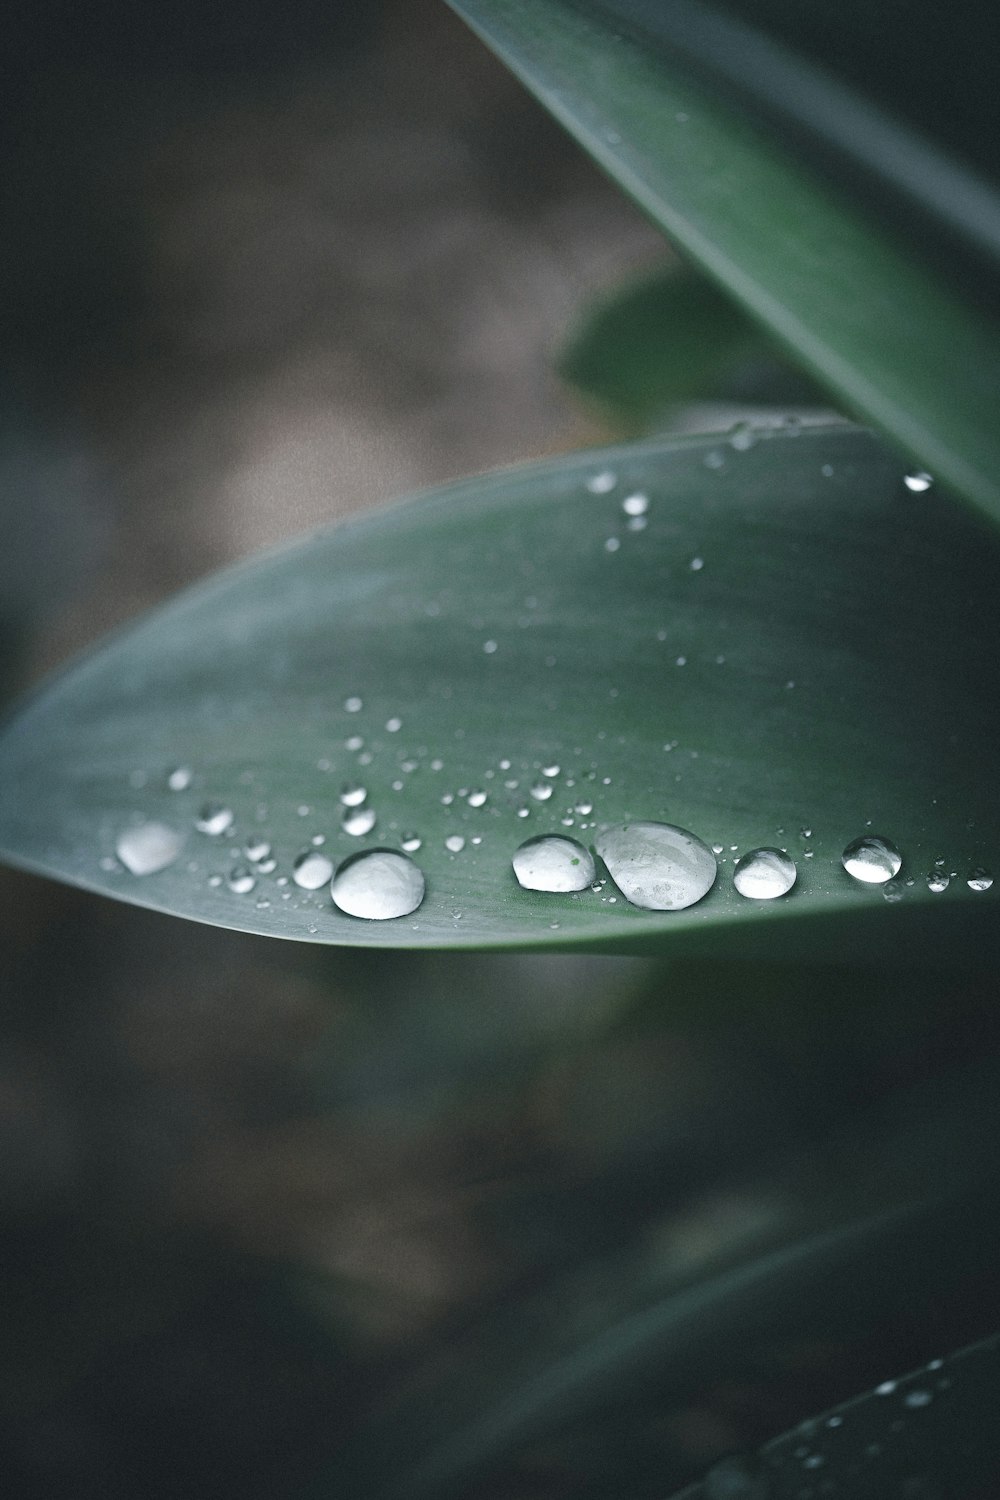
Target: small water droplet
893 890
743 437
266 866
180 779
612 544
637 523
262 904
602 483
551 771
148 848
917 481
240 880
319 839
214 819
696 564
834 1421
886 1388
916 1399
584 809
872 859
979 880
303 809
476 798
489 647
354 742
311 870
553 862
256 850
541 791
714 459
353 705
378 885
411 842
827 471
393 725
658 865
635 505
358 821
764 874
454 843
353 794
524 812
215 880
938 880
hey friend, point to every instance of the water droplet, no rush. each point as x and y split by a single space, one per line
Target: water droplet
551 771
393 725
454 843
353 794
979 880
682 661
319 839
938 880
353 705
180 779
743 437
917 481
256 850
378 885
893 890
714 459
541 791
411 842
148 848
916 1399
635 505
553 862
354 742
311 870
657 865
266 866
696 564
584 809
240 880
358 821
612 544
215 880
886 1388
524 812
214 819
602 483
303 809
764 874
637 523
871 859
489 647
476 798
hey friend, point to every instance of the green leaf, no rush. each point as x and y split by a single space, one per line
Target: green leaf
849 295
669 337
830 666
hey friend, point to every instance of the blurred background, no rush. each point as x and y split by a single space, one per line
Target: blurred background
275 1221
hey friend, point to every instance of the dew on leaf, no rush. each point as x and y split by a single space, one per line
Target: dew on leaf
180 779
764 874
553 862
871 859
938 881
256 850
696 564
454 843
353 794
602 483
358 821
658 865
916 1399
214 818
636 505
490 647
917 481
148 848
394 725
979 880
541 791
612 544
353 705
476 798
241 881
378 885
312 870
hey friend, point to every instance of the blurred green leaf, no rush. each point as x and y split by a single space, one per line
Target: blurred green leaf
837 284
669 337
786 645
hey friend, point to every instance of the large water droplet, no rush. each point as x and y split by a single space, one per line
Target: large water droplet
311 870
763 874
241 881
214 819
378 885
358 821
149 848
657 865
979 880
553 863
872 859
353 794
